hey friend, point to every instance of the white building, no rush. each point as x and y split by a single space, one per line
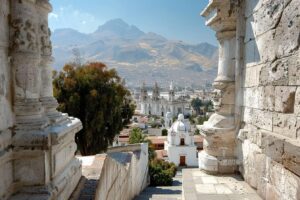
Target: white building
180 145
158 105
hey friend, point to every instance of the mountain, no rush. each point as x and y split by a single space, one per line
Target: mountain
138 56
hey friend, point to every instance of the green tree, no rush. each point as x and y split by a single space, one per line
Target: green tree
201 120
196 104
208 106
164 132
137 136
97 97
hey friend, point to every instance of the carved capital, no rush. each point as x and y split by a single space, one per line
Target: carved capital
220 15
44 4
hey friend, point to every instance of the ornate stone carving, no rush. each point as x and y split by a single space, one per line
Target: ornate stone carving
24 36
46 45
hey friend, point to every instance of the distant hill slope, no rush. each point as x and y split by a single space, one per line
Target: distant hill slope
138 56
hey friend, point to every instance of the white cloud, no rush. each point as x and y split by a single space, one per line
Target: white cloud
69 17
53 16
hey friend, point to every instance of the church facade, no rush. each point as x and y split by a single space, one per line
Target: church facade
158 105
180 146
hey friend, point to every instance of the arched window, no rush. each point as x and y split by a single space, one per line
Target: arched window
181 141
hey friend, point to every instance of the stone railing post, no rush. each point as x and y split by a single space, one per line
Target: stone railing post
219 131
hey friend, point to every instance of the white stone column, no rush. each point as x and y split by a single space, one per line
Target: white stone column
25 59
46 90
219 131
44 163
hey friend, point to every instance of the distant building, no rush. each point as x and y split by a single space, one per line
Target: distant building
158 105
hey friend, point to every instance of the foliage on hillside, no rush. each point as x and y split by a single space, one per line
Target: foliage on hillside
98 98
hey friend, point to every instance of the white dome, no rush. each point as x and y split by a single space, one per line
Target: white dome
180 117
181 126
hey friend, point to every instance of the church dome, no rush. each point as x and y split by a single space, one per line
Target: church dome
180 125
180 117
180 131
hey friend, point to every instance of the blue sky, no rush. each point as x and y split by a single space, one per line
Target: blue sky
174 19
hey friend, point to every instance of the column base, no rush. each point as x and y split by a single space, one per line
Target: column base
29 115
50 104
60 189
215 165
44 162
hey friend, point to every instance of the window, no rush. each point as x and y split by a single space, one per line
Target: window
182 141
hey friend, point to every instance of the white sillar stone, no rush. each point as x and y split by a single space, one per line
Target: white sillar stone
251 75
285 99
286 124
268 15
297 102
252 55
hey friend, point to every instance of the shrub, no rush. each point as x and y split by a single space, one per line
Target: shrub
161 172
164 132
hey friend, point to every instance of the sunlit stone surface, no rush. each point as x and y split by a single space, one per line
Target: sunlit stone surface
256 127
36 141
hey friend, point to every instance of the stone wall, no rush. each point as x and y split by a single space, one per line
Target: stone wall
268 146
121 173
266 97
124 175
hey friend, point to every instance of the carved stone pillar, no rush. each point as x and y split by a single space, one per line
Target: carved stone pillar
219 131
46 90
44 163
25 64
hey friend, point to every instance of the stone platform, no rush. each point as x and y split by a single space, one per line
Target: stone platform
197 185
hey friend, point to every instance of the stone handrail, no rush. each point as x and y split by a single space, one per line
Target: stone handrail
127 148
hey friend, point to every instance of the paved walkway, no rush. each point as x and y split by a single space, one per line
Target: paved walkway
173 192
198 185
194 184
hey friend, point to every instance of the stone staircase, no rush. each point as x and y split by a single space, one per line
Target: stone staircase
173 192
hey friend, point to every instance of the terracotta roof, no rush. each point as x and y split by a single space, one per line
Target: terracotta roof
160 154
123 139
157 139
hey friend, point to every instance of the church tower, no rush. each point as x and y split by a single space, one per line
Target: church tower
144 93
155 93
171 92
143 99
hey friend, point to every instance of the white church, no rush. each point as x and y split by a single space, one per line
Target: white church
180 145
156 104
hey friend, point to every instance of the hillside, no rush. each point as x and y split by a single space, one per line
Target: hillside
138 56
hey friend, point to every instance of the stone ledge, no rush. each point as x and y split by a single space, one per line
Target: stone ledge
130 147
